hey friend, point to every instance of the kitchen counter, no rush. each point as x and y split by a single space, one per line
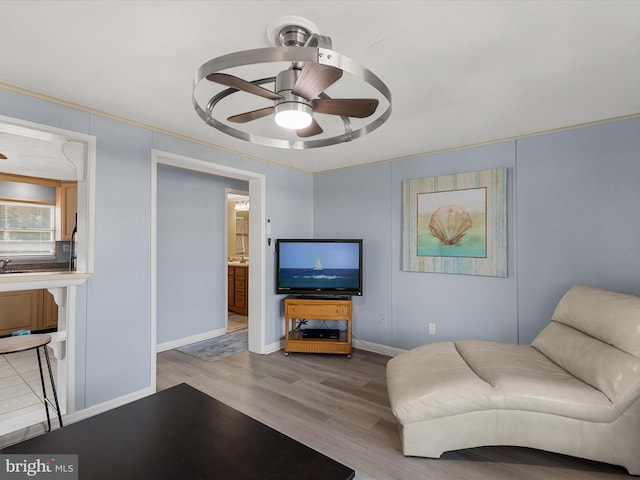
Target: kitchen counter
38 267
33 280
238 264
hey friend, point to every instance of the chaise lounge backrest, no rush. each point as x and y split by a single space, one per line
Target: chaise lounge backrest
594 334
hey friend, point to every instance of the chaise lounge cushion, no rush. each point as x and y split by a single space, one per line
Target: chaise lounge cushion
524 379
609 319
479 375
434 381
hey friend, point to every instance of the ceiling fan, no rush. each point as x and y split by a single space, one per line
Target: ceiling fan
299 91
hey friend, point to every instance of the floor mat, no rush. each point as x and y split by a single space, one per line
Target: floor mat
219 347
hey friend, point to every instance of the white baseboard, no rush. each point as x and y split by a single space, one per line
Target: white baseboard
181 342
35 421
106 406
274 347
377 348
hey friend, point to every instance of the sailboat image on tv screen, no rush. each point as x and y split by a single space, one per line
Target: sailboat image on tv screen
319 273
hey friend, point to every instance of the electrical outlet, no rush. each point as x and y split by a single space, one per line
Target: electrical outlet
432 329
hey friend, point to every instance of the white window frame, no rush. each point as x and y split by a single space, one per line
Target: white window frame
51 230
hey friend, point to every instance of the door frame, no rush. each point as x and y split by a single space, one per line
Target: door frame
257 219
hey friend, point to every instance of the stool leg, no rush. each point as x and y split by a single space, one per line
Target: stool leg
53 386
44 390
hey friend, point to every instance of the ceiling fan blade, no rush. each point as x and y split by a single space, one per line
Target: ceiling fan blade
252 115
346 107
315 79
311 130
240 84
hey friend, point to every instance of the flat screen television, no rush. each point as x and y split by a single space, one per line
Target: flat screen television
330 267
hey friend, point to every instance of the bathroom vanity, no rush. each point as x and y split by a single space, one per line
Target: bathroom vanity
238 285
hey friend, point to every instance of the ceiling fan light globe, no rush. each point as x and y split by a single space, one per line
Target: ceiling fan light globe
293 118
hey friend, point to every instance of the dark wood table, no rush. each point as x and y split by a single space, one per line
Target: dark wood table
182 433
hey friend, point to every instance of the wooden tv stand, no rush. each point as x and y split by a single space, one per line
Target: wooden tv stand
297 309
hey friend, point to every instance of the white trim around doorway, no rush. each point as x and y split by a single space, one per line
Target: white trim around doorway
79 150
257 219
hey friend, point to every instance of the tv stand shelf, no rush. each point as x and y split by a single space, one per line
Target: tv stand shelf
298 309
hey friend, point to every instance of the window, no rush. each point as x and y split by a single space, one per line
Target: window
27 228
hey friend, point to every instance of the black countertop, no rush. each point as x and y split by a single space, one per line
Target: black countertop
53 266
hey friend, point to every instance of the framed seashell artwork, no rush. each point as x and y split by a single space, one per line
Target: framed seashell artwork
456 223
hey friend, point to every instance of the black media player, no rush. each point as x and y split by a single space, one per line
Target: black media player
332 333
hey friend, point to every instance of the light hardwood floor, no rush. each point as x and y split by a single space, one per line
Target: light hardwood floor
236 322
340 408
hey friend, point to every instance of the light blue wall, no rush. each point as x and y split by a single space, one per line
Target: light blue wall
118 325
572 213
192 267
113 308
578 215
356 203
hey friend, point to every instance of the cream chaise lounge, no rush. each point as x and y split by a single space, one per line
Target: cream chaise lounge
575 390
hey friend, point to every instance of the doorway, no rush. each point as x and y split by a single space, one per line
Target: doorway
256 284
238 260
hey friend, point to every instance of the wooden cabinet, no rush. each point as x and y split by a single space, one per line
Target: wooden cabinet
27 310
231 287
237 285
298 309
19 310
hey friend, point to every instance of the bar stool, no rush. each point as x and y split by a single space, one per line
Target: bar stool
22 343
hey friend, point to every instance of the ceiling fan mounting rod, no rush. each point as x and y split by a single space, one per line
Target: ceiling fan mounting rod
293 36
299 36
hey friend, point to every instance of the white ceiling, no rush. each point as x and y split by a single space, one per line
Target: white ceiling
461 72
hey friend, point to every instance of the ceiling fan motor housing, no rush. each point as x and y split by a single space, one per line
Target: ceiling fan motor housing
290 102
